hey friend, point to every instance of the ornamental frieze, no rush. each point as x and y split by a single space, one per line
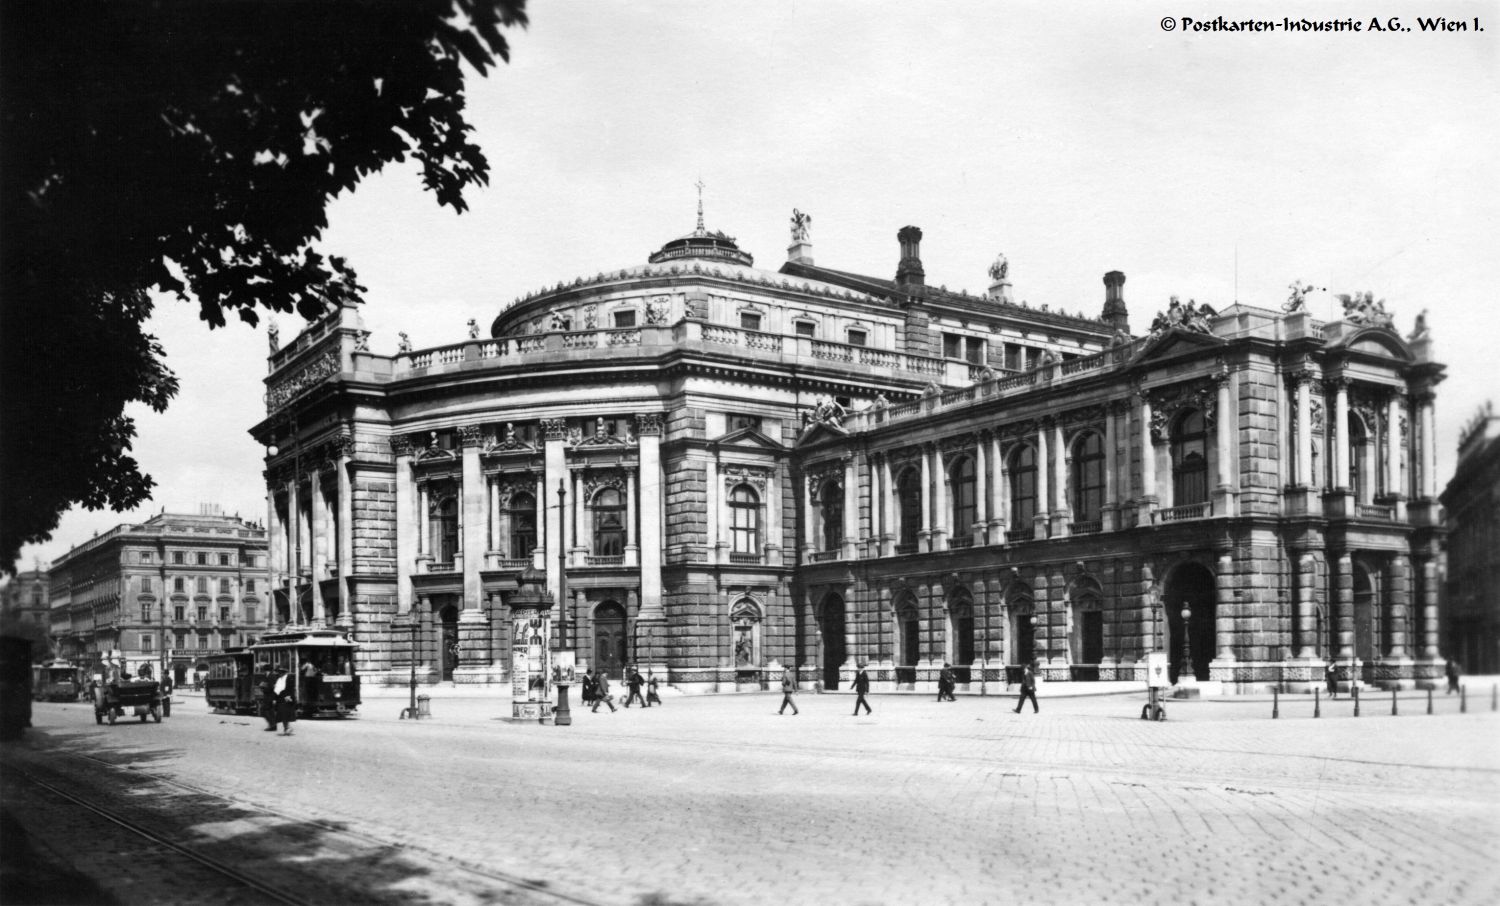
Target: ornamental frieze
304 379
554 428
469 436
1167 402
515 483
756 478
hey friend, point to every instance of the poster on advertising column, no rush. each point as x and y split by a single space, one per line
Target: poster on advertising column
529 643
1156 670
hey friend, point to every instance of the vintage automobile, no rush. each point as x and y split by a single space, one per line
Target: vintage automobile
141 697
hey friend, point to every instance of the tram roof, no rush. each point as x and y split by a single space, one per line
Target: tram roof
312 638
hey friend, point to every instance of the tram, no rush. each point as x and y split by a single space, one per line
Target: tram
231 683
320 660
57 681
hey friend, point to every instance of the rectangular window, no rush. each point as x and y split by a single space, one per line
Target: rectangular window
202 641
179 613
179 584
858 337
145 583
739 420
203 614
953 346
223 559
148 642
806 329
202 558
624 318
177 557
1033 357
145 556
145 613
1013 361
224 614
224 587
249 586
749 320
250 614
202 585
974 349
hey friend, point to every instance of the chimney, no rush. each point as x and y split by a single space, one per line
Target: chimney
909 272
1115 313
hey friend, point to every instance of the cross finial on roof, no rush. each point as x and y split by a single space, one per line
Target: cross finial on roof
699 184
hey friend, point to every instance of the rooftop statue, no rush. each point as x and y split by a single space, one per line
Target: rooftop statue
1362 308
827 410
473 329
1419 330
1297 301
273 334
800 224
404 346
1000 269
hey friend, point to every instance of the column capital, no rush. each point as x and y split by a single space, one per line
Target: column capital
401 444
554 428
649 423
1339 384
469 436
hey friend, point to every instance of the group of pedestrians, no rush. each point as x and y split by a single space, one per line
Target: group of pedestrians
596 690
278 700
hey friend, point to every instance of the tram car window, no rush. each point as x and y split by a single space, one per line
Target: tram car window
230 682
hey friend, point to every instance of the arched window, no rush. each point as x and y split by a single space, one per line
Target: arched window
1088 478
1359 448
744 520
961 479
609 523
1022 475
831 502
1189 459
961 633
909 499
908 640
442 515
522 512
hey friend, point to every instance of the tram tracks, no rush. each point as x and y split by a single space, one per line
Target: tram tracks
455 879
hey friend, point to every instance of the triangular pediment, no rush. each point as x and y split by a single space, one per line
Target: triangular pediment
1177 342
822 432
748 438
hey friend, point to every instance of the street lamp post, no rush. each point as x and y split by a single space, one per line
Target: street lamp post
413 627
1185 670
562 717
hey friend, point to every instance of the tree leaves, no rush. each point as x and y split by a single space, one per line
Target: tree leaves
150 140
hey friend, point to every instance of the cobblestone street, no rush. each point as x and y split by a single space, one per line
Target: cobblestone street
718 800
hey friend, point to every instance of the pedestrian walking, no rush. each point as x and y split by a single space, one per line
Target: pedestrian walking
651 696
861 689
635 682
285 690
1331 675
601 694
1028 689
268 699
590 688
1451 671
789 692
946 684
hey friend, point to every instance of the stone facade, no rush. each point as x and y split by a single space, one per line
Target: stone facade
166 593
1471 633
723 470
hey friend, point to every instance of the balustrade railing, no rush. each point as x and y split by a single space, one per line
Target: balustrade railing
1017 535
1375 511
824 556
1087 528
593 560
737 557
1185 513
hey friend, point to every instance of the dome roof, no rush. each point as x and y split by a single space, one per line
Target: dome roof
701 243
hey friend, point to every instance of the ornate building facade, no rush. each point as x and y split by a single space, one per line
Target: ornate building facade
724 469
165 593
1472 500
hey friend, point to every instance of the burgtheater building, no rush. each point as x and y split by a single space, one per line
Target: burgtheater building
722 470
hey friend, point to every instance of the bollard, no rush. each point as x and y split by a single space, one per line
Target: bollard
1393 701
1275 702
1317 704
1463 702
1429 699
1355 689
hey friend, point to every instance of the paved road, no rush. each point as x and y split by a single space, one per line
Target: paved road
718 800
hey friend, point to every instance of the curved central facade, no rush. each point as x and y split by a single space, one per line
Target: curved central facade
724 470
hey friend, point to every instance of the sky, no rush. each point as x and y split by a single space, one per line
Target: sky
1075 138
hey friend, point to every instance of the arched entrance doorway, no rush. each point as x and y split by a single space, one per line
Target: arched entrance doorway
831 627
908 642
1190 587
448 617
609 639
1365 616
961 632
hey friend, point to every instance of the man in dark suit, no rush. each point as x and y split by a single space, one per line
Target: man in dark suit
861 688
1028 689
